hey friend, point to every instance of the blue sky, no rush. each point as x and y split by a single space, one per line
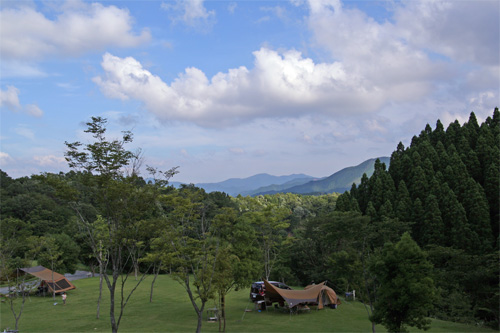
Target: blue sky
228 89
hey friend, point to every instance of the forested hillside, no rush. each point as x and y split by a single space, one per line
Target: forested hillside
446 184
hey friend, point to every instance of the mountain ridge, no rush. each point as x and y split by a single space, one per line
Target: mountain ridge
264 183
339 182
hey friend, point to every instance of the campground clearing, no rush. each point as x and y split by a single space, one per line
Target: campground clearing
171 311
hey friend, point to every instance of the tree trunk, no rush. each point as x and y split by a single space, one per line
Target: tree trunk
100 280
156 272
92 269
223 311
200 319
114 326
100 292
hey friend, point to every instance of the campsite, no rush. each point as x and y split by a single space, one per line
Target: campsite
171 311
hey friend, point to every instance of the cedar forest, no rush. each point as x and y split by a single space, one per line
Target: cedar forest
426 229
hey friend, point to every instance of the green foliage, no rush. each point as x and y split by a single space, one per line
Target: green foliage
406 292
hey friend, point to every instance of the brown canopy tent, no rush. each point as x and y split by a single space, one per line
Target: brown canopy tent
311 295
53 280
327 296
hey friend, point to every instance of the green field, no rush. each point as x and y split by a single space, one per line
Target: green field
171 311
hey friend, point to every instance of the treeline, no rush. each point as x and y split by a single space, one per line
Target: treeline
40 206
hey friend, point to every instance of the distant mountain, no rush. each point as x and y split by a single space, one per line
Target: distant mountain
340 181
275 188
264 183
245 186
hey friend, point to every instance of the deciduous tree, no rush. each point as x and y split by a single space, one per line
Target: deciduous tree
406 291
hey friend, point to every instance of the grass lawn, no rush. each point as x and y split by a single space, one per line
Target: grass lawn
171 311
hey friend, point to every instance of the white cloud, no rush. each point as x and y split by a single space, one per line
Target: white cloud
33 110
446 51
27 34
191 12
461 30
374 65
50 160
13 68
26 132
375 52
5 159
279 85
279 11
10 98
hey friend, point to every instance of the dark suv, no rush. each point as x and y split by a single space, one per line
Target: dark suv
258 290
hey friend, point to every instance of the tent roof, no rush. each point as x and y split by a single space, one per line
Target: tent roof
54 280
294 297
329 292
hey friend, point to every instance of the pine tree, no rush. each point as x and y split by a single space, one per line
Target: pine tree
472 129
455 221
442 156
363 194
438 134
386 210
478 214
418 217
371 211
403 203
432 231
492 190
396 164
419 186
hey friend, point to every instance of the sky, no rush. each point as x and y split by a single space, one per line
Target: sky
230 89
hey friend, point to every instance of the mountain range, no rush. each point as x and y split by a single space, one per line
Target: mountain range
263 183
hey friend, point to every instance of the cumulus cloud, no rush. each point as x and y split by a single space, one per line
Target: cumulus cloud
191 13
373 51
443 50
373 65
9 99
279 85
27 34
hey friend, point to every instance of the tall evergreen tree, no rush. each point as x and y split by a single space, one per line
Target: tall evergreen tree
432 229
403 203
492 190
455 220
478 215
438 135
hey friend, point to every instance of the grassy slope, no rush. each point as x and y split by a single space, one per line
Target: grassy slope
171 311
